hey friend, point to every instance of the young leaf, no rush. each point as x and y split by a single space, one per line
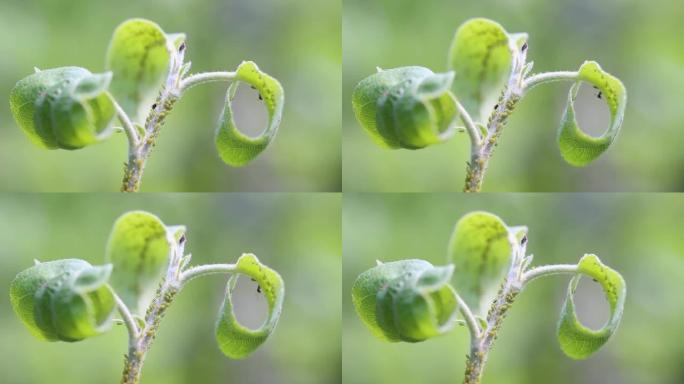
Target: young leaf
481 55
480 248
138 248
65 107
576 340
234 147
409 107
65 300
577 147
235 340
139 56
408 300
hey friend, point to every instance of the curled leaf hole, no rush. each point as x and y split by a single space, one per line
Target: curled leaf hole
592 112
590 302
250 306
249 111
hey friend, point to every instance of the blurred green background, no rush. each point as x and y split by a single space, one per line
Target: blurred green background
638 235
638 41
296 41
297 235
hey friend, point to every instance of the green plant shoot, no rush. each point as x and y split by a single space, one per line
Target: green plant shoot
71 300
146 74
488 74
412 300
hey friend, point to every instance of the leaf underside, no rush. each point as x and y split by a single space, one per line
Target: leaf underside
408 300
63 300
65 107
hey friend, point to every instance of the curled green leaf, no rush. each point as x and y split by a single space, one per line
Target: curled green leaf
409 107
138 248
481 54
139 55
235 340
234 147
65 300
576 340
577 147
66 107
480 248
408 300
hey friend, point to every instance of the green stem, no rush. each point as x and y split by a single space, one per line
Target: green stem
207 269
547 270
548 77
206 77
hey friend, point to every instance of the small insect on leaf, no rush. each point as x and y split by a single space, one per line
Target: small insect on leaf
524 47
235 340
576 340
577 147
234 147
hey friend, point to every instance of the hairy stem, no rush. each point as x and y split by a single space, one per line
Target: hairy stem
547 270
129 321
470 321
508 291
548 77
206 77
138 347
169 94
471 128
129 128
207 269
480 155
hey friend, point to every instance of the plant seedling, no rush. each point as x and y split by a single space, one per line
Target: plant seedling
412 300
70 107
71 300
413 107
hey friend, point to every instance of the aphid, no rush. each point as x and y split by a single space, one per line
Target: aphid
599 95
523 241
595 281
496 106
182 239
154 106
181 48
253 87
259 288
524 47
260 98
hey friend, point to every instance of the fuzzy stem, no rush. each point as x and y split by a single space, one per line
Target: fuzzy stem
470 320
169 287
480 155
547 270
169 94
207 269
206 77
548 77
129 128
471 128
129 321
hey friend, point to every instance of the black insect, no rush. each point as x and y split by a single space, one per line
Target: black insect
524 47
599 95
182 239
154 106
259 288
260 98
253 87
496 107
595 281
523 241
181 48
